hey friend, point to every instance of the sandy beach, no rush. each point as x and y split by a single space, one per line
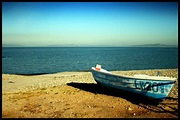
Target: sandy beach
76 95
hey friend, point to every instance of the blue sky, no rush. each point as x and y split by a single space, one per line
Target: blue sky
89 23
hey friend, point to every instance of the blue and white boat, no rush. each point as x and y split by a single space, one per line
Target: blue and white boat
157 87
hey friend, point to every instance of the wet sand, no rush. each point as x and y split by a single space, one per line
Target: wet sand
76 95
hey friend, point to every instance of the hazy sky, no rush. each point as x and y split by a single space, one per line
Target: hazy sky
89 23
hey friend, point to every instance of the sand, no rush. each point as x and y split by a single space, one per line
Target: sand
76 95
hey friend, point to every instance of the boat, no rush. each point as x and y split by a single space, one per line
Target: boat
156 87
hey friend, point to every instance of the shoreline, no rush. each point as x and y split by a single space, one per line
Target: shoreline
34 74
24 82
77 95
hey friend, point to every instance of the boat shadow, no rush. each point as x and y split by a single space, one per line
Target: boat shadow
148 103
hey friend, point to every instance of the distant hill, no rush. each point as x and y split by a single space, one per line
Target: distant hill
62 45
11 45
16 45
155 45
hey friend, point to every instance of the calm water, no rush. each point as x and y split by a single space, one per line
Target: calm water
34 60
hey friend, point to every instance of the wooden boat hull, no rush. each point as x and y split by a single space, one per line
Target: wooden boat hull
157 89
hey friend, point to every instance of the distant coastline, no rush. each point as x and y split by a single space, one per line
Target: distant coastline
73 45
155 45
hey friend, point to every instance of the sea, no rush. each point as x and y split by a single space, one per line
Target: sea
48 60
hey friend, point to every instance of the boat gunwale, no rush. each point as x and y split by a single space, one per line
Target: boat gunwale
132 77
